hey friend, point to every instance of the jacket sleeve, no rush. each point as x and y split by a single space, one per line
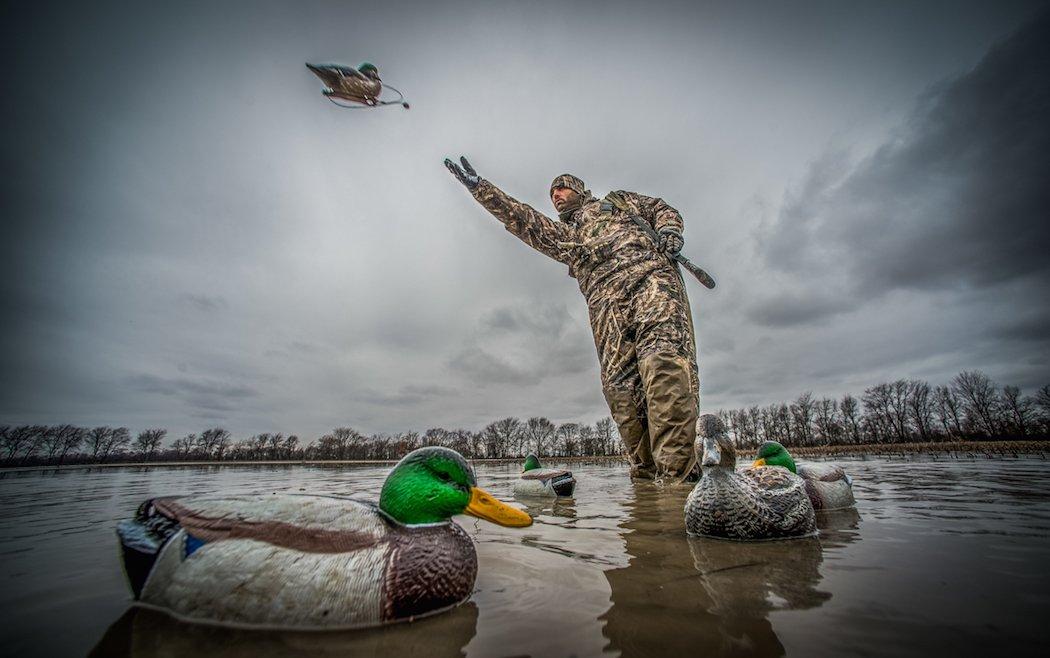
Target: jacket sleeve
656 211
533 227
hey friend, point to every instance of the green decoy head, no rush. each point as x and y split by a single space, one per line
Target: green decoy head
531 463
369 70
772 453
430 485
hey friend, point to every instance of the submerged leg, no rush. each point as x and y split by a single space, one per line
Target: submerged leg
672 412
629 413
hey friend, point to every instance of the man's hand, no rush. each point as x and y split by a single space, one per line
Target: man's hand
671 242
466 175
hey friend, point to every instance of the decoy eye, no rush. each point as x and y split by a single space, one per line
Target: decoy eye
445 477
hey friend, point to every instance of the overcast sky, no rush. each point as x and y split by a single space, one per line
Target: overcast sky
193 236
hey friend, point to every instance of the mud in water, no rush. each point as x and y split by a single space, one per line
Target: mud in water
940 557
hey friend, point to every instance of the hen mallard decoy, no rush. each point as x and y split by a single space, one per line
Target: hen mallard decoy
538 481
307 561
360 85
753 504
827 485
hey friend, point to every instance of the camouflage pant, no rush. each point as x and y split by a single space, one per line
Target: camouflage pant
649 375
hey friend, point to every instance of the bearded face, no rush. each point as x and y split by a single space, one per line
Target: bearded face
563 198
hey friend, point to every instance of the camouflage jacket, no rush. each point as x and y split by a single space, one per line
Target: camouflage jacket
604 249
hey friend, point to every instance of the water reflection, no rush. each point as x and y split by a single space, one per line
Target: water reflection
540 506
143 633
706 596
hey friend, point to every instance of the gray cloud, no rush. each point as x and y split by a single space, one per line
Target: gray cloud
798 307
545 322
409 394
206 303
525 344
956 198
482 367
203 396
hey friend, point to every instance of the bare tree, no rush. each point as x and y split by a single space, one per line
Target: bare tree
1019 410
72 438
827 418
1042 403
780 423
50 442
755 425
536 433
850 410
290 447
949 411
568 438
878 414
920 408
802 417
148 441
184 446
460 441
341 443
588 441
980 400
770 428
898 408
97 438
501 435
608 436
116 443
21 439
477 443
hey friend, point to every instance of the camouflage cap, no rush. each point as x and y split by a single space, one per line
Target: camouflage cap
569 181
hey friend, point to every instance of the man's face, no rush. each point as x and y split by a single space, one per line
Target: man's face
563 197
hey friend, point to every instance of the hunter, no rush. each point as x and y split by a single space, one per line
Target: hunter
636 301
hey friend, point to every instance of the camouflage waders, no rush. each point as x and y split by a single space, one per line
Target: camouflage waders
638 310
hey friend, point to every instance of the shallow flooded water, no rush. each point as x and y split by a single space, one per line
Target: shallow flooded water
940 557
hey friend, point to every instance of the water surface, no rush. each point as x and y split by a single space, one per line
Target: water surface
939 557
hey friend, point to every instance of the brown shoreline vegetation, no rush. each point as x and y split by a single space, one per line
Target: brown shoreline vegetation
968 416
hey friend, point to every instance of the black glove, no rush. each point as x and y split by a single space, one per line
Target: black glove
671 242
466 175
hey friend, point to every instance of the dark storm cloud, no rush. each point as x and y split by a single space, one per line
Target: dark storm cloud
798 307
1029 328
958 196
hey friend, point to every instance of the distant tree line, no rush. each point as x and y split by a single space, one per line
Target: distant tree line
27 445
969 407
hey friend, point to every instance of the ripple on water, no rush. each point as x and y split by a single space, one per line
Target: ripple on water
944 556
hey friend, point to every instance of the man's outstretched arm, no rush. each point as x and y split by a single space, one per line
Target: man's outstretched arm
533 227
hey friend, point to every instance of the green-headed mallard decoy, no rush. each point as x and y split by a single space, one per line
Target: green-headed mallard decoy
538 481
305 561
827 485
753 504
360 85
